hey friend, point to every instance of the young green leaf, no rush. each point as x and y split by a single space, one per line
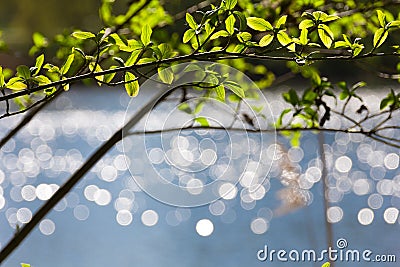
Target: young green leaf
131 84
2 82
166 75
191 22
185 108
146 34
188 35
202 121
307 23
16 83
326 264
235 88
325 34
304 36
83 35
379 37
220 90
266 40
133 58
23 72
230 24
230 4
42 80
285 40
259 24
381 18
39 63
39 40
242 20
279 122
67 64
244 36
221 33
25 265
281 21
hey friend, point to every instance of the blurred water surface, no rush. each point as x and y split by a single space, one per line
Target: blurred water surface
108 221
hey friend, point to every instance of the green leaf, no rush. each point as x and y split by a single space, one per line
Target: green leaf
230 24
380 37
188 35
381 18
307 23
119 40
238 48
220 90
325 34
131 84
191 22
244 36
394 24
16 83
39 63
108 77
67 64
291 97
202 121
166 75
230 4
185 108
285 40
83 35
343 95
39 40
42 80
304 36
330 18
2 82
259 24
358 85
133 58
295 139
23 72
266 40
326 264
235 88
25 265
280 119
146 34
242 20
341 44
92 68
281 21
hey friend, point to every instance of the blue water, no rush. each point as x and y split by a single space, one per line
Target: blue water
88 234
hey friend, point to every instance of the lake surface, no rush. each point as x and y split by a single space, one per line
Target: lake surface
107 220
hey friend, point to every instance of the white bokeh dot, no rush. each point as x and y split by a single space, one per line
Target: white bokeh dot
149 218
47 227
259 226
204 227
124 217
365 216
334 214
390 215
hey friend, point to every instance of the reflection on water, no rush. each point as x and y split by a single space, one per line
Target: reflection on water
108 221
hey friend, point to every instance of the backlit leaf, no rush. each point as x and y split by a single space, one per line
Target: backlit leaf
259 24
131 84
